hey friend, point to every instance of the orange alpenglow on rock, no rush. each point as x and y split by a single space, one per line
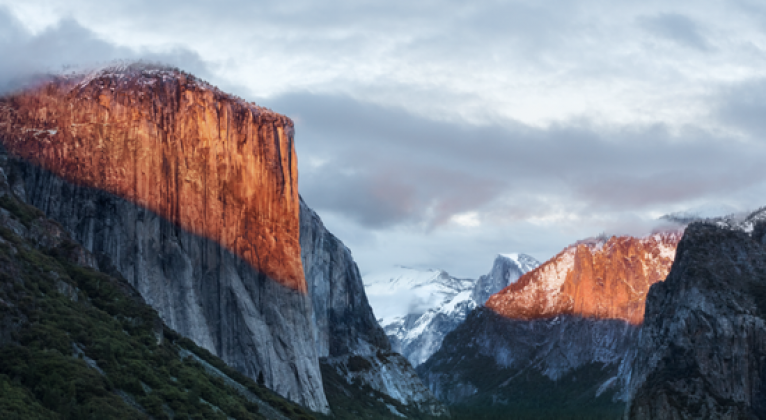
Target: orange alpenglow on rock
606 279
211 163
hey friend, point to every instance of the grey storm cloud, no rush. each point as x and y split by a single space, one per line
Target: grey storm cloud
743 107
677 28
68 43
384 166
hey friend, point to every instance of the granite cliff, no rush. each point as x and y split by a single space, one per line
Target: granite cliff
191 195
344 320
76 343
506 270
213 164
147 168
353 349
702 349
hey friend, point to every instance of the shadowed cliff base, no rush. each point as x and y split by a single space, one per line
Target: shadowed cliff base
76 343
200 289
566 367
212 163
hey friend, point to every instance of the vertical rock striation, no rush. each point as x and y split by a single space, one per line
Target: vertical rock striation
217 166
702 349
344 320
191 195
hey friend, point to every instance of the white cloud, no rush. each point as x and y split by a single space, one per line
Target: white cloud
469 219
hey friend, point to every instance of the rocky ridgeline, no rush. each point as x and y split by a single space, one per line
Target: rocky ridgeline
600 278
351 345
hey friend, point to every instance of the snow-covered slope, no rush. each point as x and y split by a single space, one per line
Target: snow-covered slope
403 291
417 308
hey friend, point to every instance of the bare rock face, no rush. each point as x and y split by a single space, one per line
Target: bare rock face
506 269
603 279
353 349
189 194
702 349
561 362
216 166
343 317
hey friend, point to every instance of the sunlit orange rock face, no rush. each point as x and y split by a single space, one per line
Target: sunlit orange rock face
606 279
209 162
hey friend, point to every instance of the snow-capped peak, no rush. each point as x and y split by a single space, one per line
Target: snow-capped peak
418 307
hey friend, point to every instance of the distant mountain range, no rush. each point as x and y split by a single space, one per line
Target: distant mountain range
666 326
554 342
417 308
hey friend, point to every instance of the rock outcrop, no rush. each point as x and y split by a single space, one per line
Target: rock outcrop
506 269
344 320
601 278
702 349
353 349
189 194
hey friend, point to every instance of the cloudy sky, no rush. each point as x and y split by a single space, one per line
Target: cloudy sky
440 133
